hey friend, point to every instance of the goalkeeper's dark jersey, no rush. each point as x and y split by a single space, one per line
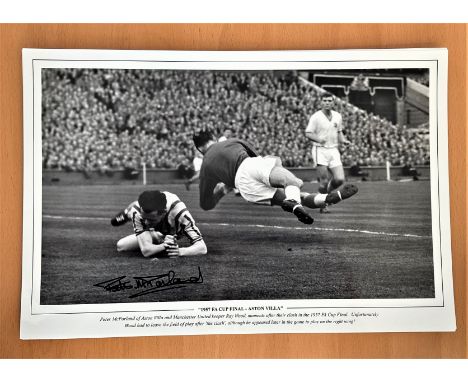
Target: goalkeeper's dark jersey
220 164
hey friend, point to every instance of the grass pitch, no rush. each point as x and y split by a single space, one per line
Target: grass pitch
377 244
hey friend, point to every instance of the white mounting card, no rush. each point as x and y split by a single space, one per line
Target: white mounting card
102 126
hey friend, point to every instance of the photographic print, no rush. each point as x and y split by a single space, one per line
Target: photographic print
235 192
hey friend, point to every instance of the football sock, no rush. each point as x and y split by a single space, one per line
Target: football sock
319 200
293 193
314 200
332 185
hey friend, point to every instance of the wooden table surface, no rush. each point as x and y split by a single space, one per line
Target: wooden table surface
14 37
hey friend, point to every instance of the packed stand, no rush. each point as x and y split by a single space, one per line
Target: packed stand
102 120
423 78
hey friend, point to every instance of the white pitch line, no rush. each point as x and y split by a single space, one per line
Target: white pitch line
262 226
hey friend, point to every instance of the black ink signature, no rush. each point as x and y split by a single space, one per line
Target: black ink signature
150 284
115 285
164 282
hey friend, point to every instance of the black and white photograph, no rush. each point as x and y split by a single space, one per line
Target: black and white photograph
289 184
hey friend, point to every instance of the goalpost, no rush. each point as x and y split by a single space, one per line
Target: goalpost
144 174
388 171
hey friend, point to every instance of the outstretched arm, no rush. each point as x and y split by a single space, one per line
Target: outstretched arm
145 241
196 249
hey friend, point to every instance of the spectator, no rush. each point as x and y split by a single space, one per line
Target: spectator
409 170
355 170
96 119
184 169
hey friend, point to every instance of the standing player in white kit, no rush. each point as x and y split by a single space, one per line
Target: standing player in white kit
325 129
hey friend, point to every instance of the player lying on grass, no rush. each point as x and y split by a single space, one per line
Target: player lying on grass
260 180
159 218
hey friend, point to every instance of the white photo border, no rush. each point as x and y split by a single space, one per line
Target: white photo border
40 321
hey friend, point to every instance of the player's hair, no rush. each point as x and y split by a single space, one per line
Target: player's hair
202 137
151 201
327 95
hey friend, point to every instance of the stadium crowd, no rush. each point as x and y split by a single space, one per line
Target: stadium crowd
422 78
105 119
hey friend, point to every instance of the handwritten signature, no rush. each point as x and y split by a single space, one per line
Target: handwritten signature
149 284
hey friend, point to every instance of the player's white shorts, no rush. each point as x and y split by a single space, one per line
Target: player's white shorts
253 179
325 156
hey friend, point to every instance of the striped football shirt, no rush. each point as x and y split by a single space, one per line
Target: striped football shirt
177 221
